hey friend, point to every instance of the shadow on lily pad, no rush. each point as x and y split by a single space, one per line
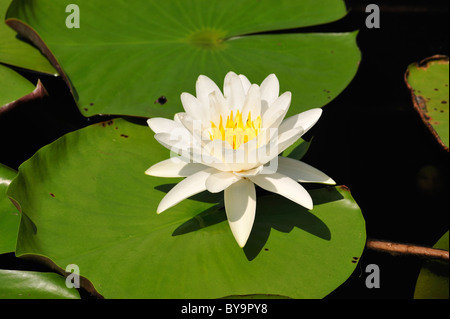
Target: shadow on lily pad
209 217
273 211
205 197
283 215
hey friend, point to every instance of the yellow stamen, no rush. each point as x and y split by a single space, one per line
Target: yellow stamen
235 131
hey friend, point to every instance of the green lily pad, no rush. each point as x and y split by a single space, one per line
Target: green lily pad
34 285
140 67
85 200
23 284
432 282
14 51
12 86
428 82
9 216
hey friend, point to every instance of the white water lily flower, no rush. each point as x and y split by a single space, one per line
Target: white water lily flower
230 142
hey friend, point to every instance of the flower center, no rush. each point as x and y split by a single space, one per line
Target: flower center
208 39
235 132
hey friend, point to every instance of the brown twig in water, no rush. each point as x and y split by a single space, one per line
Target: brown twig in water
407 249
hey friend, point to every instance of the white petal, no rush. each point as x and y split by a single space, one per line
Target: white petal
275 114
245 83
272 144
179 136
217 165
188 187
250 172
227 82
218 107
174 167
284 186
218 181
302 172
257 151
240 207
210 154
194 126
270 89
304 120
220 155
252 103
292 128
177 119
204 87
178 141
242 159
233 92
194 107
287 138
162 125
